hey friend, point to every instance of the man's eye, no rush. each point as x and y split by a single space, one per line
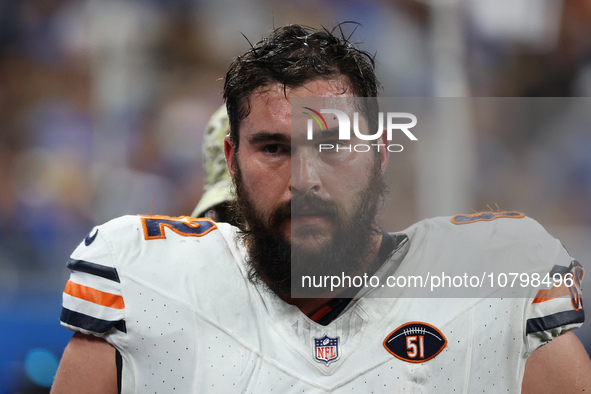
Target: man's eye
272 148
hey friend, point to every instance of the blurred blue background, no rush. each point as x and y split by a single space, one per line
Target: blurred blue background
103 105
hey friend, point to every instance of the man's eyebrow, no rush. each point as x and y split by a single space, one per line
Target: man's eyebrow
265 136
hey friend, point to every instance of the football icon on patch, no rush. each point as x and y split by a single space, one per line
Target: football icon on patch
415 342
326 349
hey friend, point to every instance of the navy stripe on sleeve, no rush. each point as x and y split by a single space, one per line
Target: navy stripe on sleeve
94 269
560 269
556 320
90 323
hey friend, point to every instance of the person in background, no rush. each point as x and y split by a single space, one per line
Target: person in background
217 193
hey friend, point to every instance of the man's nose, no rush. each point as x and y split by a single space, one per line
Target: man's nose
305 171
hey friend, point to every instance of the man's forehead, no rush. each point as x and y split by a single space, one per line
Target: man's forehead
275 99
272 105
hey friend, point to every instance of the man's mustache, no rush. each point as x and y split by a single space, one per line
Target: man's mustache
306 205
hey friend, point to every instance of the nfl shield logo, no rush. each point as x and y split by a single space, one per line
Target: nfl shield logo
326 349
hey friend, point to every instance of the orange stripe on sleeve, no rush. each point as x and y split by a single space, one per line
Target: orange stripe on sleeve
547 295
95 296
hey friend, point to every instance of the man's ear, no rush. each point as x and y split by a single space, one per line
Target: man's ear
384 153
229 153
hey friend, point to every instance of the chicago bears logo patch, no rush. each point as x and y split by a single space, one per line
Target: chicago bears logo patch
415 342
326 349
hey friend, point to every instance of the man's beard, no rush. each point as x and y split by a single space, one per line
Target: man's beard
275 260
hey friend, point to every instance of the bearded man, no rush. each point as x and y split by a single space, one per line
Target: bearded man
165 304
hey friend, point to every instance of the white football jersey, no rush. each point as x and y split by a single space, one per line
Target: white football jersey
173 296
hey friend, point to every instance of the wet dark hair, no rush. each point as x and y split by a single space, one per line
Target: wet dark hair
294 55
